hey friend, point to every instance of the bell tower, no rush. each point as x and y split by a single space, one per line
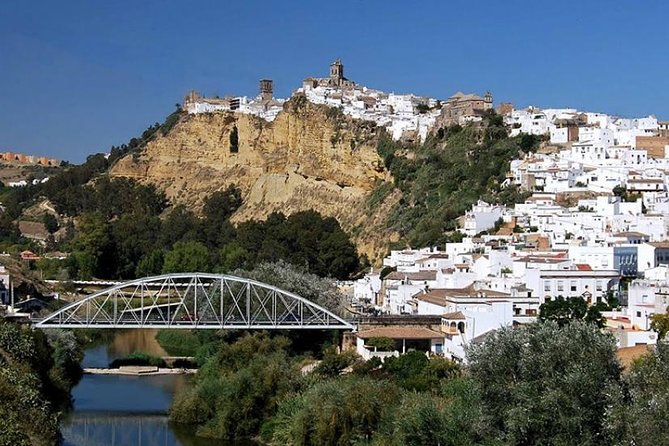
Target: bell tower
487 101
266 89
337 71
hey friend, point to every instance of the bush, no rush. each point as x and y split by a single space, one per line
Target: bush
234 140
184 342
547 384
342 412
184 364
641 415
334 363
138 358
238 388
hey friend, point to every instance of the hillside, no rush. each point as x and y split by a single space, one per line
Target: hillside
220 191
310 157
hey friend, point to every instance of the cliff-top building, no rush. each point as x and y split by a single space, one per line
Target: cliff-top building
462 107
335 80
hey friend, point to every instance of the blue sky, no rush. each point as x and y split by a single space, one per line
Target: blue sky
77 77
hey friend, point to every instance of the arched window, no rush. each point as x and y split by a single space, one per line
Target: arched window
453 326
461 327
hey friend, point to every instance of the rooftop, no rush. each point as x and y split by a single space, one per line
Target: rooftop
405 275
438 296
400 333
455 315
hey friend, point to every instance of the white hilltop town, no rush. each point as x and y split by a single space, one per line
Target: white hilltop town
404 115
595 224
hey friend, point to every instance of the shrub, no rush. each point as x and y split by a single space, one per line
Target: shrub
138 358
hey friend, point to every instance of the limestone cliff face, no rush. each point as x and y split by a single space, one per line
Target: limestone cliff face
309 157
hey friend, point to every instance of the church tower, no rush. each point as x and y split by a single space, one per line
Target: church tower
337 72
487 101
266 89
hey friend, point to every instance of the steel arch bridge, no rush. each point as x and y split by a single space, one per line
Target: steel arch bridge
194 301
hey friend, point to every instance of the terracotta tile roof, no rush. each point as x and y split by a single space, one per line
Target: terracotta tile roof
438 296
647 180
420 275
456 315
400 333
533 259
662 244
630 234
583 267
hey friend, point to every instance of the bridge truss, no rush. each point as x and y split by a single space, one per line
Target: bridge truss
194 301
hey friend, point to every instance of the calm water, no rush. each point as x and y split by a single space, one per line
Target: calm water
125 410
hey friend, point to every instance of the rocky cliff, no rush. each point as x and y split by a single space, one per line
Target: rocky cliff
309 157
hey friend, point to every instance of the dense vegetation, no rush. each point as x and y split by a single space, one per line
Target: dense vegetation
126 230
555 382
563 311
443 177
37 371
543 384
133 240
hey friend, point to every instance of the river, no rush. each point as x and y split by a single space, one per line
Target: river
126 410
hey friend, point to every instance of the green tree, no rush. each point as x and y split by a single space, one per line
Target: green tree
232 257
620 191
564 311
640 416
38 371
234 140
237 388
188 256
334 363
220 206
135 235
50 223
94 246
151 264
180 224
660 324
340 412
546 383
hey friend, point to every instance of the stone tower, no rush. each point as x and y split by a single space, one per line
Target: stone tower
337 72
487 101
266 89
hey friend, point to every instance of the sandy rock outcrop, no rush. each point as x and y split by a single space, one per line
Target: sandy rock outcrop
309 157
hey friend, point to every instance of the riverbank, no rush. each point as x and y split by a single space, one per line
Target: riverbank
138 371
116 407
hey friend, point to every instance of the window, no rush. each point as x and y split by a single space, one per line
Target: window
638 314
599 285
547 286
572 285
560 285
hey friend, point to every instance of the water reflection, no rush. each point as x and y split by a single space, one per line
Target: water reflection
118 429
129 341
126 410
